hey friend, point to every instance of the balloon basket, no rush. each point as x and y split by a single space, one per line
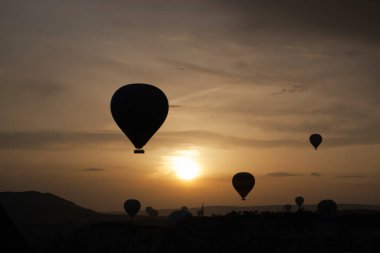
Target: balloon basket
139 151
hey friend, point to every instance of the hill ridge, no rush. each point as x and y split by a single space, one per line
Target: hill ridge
37 207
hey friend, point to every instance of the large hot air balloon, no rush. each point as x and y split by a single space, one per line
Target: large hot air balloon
243 183
132 207
315 140
139 110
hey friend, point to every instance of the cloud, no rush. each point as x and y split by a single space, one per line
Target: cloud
175 106
220 178
332 18
32 86
282 174
366 185
292 90
52 139
315 174
94 169
286 60
62 140
187 66
219 140
351 176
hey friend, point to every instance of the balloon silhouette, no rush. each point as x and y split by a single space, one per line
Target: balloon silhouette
315 140
327 207
178 215
243 182
139 110
288 208
132 207
299 201
151 211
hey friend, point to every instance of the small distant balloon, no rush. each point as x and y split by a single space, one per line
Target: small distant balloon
288 208
151 211
327 207
315 140
132 207
178 215
299 201
243 182
139 110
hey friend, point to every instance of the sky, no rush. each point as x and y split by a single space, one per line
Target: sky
247 83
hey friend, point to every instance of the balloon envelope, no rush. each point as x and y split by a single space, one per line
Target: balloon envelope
177 215
139 110
288 208
132 207
151 211
299 200
327 207
315 140
243 182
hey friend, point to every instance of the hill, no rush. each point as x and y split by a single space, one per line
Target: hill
41 218
10 237
36 207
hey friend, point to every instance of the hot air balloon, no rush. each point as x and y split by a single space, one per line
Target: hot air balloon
299 201
139 110
132 207
243 183
288 208
178 215
151 211
327 207
315 140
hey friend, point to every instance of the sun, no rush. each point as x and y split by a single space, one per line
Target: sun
185 168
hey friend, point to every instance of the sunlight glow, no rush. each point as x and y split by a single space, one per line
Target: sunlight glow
185 167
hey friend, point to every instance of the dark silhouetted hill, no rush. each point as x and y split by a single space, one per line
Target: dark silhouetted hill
41 218
41 208
10 237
